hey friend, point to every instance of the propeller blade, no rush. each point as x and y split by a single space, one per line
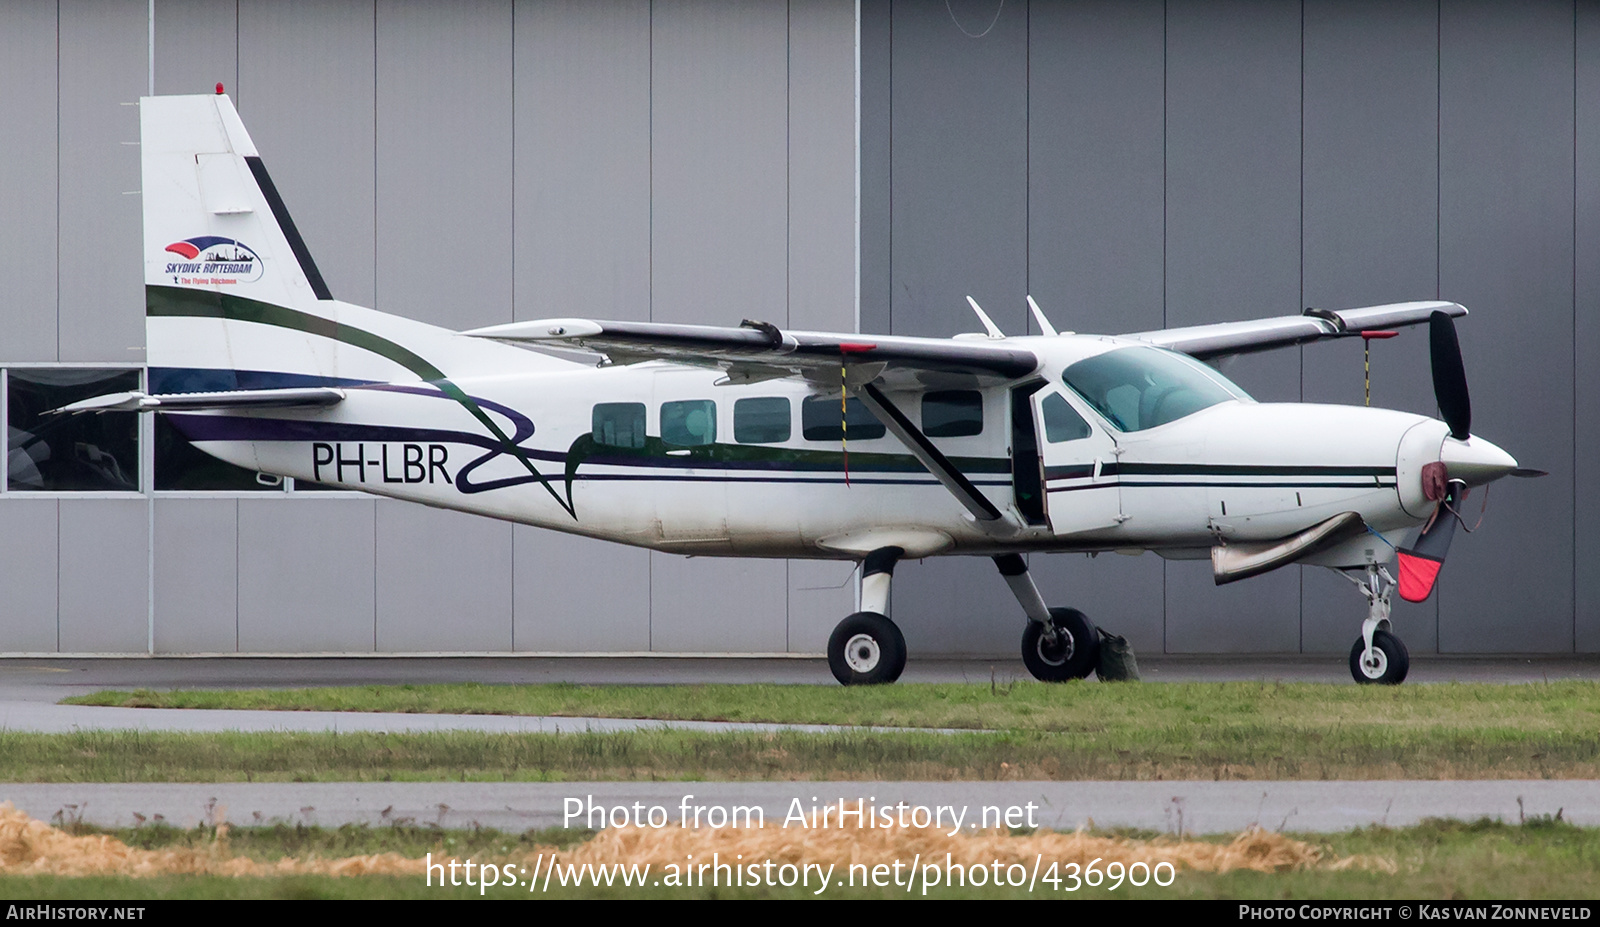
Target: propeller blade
1528 473
1421 562
1449 375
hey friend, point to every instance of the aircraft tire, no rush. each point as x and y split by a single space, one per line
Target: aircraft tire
1073 657
1392 660
866 649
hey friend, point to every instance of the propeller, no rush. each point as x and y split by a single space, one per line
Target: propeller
1462 463
1421 561
1449 376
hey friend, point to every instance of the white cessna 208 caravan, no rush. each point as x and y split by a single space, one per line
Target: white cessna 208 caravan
753 441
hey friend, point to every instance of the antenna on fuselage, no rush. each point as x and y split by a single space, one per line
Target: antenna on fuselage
1038 315
988 323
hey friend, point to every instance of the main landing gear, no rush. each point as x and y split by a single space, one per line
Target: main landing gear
1377 655
867 648
1059 643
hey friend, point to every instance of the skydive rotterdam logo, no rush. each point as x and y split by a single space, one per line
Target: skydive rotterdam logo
210 259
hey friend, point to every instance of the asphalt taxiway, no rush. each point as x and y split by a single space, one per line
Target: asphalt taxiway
1166 807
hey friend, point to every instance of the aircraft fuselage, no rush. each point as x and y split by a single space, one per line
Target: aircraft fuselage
791 482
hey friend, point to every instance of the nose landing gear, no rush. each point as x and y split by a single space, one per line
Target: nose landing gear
1378 656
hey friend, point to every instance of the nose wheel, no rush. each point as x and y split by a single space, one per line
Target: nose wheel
1386 663
1377 656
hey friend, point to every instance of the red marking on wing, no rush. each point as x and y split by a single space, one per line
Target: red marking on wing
849 347
185 249
1417 576
1378 334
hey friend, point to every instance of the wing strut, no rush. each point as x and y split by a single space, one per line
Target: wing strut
975 502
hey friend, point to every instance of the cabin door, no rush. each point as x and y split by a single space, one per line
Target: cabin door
1064 469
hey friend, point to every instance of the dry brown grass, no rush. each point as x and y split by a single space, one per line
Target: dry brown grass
1255 849
32 847
29 846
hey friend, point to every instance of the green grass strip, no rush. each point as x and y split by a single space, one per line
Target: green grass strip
1020 706
1244 750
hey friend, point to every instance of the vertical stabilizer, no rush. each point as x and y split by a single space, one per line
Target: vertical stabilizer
212 218
233 297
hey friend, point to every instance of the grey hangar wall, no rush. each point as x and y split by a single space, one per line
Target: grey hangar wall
1130 164
1139 164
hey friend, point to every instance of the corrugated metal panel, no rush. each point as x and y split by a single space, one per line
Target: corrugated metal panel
197 575
1506 221
444 580
28 181
104 63
444 162
583 160
719 225
306 570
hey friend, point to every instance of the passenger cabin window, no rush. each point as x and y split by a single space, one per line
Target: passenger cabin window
1061 421
689 423
820 420
761 420
619 424
952 413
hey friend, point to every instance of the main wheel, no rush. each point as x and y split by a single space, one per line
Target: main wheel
866 649
1389 664
1072 655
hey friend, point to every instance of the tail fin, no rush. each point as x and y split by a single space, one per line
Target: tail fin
234 299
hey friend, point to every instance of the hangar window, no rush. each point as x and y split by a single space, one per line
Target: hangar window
689 423
619 424
181 466
761 420
952 413
69 453
820 420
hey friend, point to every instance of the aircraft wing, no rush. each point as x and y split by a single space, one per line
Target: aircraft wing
1207 342
759 350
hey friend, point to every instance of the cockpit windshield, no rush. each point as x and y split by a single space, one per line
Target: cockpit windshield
1141 387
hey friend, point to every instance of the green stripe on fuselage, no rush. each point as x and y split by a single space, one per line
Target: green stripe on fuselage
655 453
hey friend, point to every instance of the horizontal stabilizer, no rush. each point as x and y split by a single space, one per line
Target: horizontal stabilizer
1234 562
299 397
